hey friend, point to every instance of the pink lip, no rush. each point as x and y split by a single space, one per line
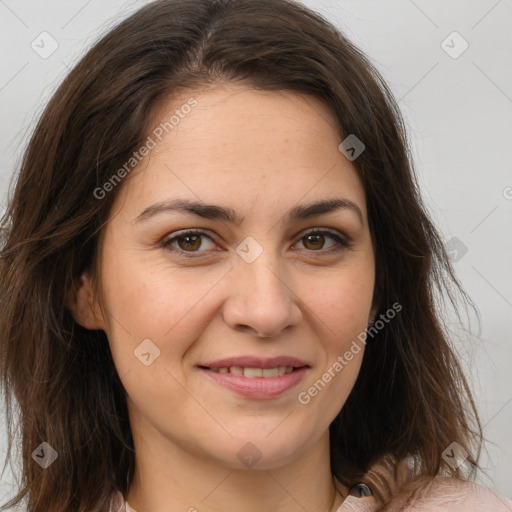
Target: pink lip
257 387
255 362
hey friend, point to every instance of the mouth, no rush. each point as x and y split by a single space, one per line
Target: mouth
252 372
254 364
256 378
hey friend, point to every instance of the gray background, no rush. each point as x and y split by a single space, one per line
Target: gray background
459 111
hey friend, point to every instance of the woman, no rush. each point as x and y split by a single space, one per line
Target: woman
219 280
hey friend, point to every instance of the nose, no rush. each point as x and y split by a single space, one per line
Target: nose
261 300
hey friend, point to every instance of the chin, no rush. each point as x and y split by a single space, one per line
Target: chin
260 450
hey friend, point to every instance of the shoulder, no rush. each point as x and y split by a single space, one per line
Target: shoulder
450 494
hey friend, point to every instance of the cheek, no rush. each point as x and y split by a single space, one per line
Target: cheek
167 305
341 321
343 305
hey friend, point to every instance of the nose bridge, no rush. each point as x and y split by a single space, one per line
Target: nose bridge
259 267
260 298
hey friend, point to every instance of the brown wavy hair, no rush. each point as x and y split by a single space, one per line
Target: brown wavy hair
410 397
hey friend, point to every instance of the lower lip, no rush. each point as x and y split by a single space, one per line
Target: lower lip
258 387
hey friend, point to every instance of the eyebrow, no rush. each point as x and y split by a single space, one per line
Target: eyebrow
214 212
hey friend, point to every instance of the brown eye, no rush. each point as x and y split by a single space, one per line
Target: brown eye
188 242
192 243
314 241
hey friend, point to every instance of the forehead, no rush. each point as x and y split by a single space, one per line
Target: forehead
258 122
240 146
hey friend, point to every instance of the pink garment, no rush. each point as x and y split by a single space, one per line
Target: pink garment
351 504
444 494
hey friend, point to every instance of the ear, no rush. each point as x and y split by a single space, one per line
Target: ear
80 302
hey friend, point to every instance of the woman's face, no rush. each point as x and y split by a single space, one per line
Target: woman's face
259 286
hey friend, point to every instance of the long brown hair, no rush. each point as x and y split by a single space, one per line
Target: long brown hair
410 398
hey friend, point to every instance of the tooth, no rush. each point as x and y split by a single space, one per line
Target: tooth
270 372
256 372
253 372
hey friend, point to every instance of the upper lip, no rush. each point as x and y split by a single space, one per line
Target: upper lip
255 362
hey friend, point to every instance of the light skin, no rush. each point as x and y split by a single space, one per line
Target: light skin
260 154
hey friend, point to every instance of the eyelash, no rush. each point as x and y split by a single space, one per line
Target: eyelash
343 243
